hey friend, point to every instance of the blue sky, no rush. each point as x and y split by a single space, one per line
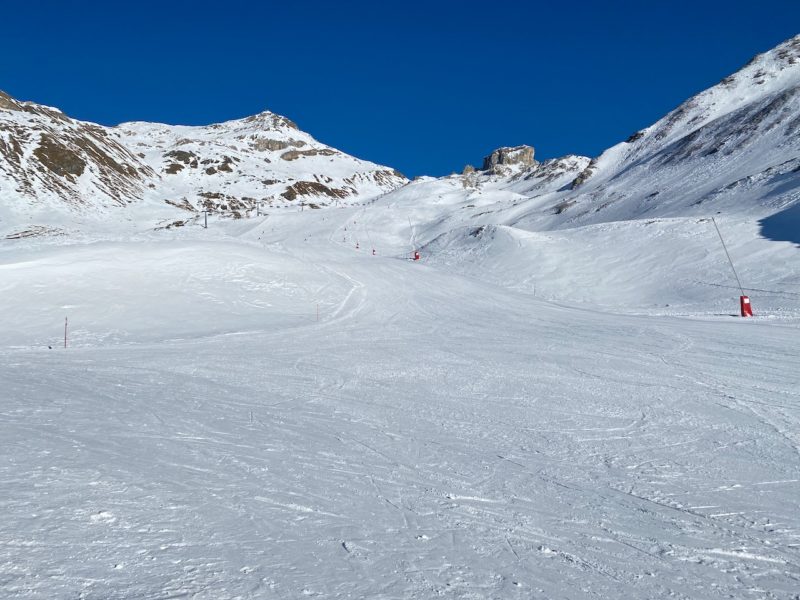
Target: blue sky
425 87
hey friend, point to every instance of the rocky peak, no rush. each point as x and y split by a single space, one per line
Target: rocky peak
270 121
518 155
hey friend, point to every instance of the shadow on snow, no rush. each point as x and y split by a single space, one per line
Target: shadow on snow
783 226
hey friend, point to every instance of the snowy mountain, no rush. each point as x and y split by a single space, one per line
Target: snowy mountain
55 169
732 149
230 167
558 400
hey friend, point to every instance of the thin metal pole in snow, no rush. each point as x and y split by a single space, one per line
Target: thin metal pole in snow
369 237
741 289
413 236
65 332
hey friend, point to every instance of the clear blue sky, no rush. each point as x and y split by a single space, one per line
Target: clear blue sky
425 87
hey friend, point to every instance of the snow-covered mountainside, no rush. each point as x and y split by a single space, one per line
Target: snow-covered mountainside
264 159
732 149
52 166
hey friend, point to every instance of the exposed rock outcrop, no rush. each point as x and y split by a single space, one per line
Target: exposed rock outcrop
584 175
313 188
263 144
518 155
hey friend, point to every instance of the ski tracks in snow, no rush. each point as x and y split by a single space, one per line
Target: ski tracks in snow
430 436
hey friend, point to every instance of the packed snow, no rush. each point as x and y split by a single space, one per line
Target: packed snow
259 409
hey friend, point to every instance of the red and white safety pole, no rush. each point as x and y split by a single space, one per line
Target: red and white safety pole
745 308
413 241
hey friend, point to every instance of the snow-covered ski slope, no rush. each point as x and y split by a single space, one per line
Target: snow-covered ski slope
656 265
557 401
433 434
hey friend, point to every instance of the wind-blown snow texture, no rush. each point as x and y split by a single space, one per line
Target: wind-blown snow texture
557 401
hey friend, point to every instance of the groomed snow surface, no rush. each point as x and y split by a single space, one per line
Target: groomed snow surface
518 415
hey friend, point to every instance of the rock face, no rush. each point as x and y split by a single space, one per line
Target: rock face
585 174
46 155
518 155
53 165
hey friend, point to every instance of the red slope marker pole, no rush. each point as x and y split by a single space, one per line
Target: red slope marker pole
745 308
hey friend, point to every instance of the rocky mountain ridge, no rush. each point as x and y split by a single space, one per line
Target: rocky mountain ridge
55 168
